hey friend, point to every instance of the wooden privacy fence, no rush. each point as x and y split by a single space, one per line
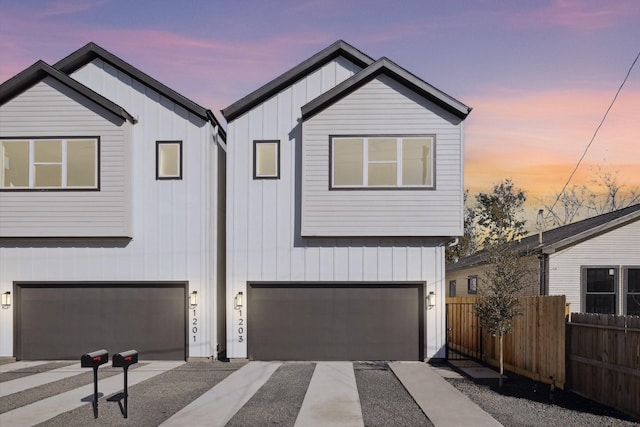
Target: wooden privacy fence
536 346
604 359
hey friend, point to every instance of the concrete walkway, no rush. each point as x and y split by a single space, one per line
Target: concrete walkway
332 397
25 383
441 402
14 366
218 405
45 409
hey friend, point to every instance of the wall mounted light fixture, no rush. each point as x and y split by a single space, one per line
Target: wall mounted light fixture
431 299
193 299
6 299
238 301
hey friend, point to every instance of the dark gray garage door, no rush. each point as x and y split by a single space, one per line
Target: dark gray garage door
64 321
335 321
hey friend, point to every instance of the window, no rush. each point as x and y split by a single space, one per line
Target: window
472 284
452 288
49 163
266 159
599 284
632 286
168 159
382 161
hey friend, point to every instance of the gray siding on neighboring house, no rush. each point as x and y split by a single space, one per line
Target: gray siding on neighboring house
382 107
619 247
51 109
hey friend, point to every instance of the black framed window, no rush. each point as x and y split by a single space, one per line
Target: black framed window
168 159
452 288
599 286
472 284
632 290
266 159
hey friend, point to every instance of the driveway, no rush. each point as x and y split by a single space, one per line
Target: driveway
236 394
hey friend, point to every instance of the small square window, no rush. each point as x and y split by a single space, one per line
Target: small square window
266 159
169 160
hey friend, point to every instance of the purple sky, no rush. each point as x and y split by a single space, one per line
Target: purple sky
538 74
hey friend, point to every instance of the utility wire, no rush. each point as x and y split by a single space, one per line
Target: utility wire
593 137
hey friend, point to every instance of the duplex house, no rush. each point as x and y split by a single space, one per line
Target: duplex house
111 214
344 186
594 262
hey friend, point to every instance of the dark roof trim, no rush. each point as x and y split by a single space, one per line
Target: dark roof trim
40 70
339 48
393 70
91 51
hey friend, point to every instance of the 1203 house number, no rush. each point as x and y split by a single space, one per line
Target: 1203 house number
240 327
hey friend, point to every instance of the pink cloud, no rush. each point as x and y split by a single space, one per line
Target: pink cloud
69 7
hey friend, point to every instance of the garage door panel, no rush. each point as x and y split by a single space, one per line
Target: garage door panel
335 322
65 321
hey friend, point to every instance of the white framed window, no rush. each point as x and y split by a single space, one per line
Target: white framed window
472 285
168 159
266 159
49 163
387 161
632 291
599 284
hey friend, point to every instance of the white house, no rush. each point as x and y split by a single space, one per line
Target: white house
111 214
344 186
594 262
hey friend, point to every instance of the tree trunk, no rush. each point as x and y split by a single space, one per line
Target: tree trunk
501 363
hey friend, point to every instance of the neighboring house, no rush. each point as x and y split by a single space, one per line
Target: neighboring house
594 262
111 214
344 186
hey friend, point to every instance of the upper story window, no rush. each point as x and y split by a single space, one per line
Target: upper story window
382 161
266 159
49 163
168 159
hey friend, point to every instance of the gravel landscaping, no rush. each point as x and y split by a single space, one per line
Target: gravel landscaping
524 402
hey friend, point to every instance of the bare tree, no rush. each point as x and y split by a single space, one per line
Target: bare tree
570 205
613 197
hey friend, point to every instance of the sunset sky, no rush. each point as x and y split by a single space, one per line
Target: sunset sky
539 74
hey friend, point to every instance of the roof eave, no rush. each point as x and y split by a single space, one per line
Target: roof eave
339 48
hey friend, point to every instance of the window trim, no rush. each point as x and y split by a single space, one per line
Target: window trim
625 286
398 161
255 158
180 163
57 137
616 285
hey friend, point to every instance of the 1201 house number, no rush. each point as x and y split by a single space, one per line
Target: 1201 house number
240 327
194 325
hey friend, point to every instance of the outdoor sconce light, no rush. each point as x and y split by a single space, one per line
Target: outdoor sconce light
6 300
431 299
237 301
193 299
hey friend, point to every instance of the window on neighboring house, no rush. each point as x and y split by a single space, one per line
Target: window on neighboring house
382 161
472 284
599 284
266 159
632 287
452 288
168 159
49 163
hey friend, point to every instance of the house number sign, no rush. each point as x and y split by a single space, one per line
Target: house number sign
240 326
194 325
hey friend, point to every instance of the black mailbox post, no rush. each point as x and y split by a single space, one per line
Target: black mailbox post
124 360
94 360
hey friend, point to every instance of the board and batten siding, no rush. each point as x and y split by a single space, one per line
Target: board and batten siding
382 107
176 235
618 247
263 228
51 109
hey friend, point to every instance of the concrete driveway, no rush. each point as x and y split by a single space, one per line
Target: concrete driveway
236 394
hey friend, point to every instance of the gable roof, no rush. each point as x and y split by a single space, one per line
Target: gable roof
91 51
561 237
393 70
39 71
339 48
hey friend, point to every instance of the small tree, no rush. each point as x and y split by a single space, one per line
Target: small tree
499 214
502 284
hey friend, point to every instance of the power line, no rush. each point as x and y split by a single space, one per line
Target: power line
593 137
